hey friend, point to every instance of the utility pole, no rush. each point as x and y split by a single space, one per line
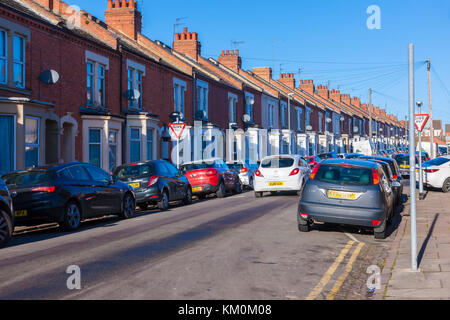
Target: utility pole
370 114
412 159
432 155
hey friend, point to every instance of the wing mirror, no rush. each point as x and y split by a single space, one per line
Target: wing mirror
396 184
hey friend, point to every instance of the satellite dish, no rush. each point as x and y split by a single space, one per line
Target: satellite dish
328 120
200 114
250 100
49 77
355 129
132 94
309 128
246 118
341 118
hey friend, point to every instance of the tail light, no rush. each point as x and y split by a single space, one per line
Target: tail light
244 170
258 173
294 172
304 215
431 170
376 222
153 180
395 177
375 176
44 189
314 171
211 172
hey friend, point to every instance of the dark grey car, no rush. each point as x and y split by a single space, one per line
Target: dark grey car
349 192
6 215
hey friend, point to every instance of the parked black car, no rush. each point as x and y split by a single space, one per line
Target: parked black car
396 174
351 192
67 194
6 215
155 182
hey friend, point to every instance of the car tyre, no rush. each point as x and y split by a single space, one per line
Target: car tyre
250 184
188 199
238 189
381 234
446 186
163 204
143 206
258 194
128 206
72 216
304 227
221 192
6 228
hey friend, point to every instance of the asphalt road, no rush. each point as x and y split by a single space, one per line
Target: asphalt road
239 247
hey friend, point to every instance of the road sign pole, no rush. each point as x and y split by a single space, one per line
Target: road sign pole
420 157
412 159
178 153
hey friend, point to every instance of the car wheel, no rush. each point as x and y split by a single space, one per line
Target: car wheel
258 194
381 234
250 184
6 228
72 216
304 227
128 206
163 204
238 189
188 199
202 196
221 192
273 193
446 186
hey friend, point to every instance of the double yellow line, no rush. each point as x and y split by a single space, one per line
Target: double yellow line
332 269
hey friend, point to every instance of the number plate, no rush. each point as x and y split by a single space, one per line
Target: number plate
276 184
404 166
20 213
135 184
197 189
341 195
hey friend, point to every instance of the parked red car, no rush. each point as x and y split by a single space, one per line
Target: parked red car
214 176
312 160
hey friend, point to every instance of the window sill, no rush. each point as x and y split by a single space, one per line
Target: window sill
15 90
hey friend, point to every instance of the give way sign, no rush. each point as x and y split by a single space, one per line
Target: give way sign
420 121
176 130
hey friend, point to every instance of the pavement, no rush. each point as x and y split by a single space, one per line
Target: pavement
432 280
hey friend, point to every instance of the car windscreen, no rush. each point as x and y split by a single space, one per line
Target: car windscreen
309 160
436 162
344 175
27 178
135 171
279 162
235 166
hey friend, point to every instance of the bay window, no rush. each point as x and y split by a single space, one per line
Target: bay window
32 141
3 57
135 144
95 147
19 61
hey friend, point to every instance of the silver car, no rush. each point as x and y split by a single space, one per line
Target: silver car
246 172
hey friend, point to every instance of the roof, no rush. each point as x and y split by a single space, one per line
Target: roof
359 163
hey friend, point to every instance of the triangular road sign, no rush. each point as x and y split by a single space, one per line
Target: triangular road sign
177 129
420 120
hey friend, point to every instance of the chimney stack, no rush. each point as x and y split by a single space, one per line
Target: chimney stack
123 15
356 102
345 98
307 86
323 91
231 59
52 5
288 80
263 72
335 95
187 43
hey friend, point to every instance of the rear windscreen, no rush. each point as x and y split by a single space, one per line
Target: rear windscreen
22 179
403 159
235 166
436 162
344 175
277 163
135 171
309 160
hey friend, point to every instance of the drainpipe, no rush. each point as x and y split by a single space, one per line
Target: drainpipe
124 125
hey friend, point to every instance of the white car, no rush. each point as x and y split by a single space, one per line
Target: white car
436 173
246 171
281 173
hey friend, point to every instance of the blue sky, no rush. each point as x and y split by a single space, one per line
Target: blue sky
325 40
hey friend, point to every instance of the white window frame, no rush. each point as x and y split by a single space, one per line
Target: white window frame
102 101
136 140
179 99
96 143
202 99
97 60
34 145
18 62
136 84
115 144
283 107
299 118
232 108
320 120
5 58
270 118
92 76
147 141
308 116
